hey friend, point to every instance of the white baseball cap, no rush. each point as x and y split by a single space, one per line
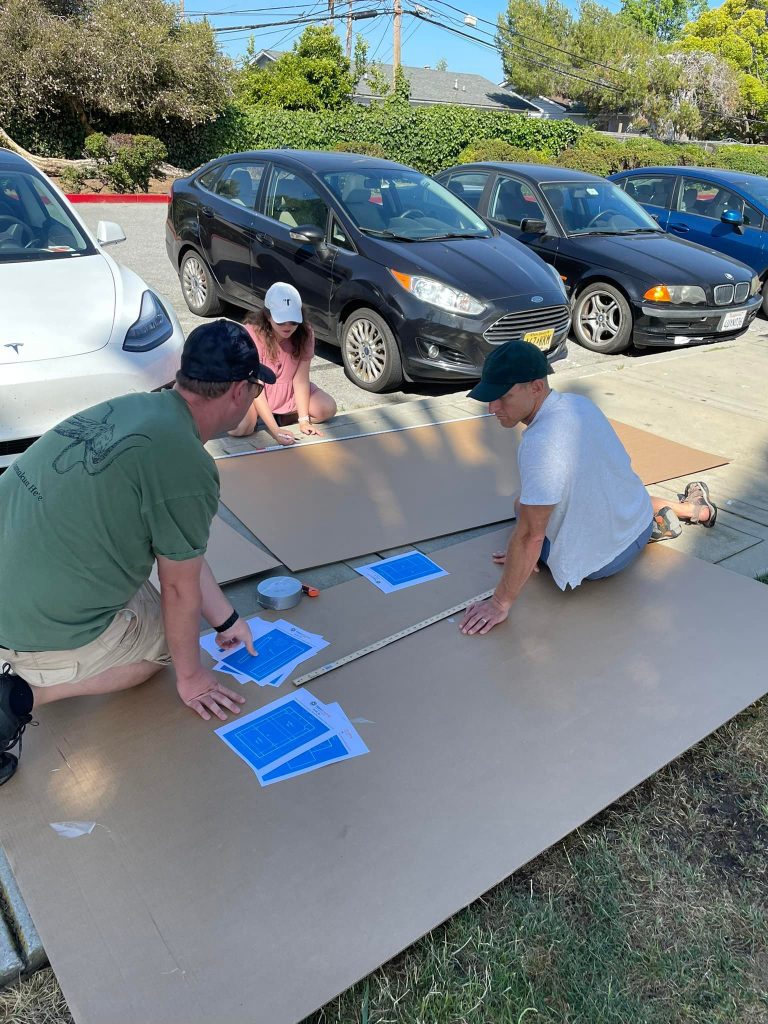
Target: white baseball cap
284 303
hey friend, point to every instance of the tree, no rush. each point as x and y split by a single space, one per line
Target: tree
442 65
315 75
663 19
110 57
736 33
528 66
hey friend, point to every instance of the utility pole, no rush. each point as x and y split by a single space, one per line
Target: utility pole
330 12
398 14
349 32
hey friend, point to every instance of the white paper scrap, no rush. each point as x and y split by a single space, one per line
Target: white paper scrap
73 829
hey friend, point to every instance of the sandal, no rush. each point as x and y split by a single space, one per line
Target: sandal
666 525
695 491
698 507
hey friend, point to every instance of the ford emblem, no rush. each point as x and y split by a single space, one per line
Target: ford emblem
537 298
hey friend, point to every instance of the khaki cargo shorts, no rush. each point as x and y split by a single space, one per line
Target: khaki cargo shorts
135 634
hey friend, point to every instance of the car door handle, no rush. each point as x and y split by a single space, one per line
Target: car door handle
679 227
206 211
263 238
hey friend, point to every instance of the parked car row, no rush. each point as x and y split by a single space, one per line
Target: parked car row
415 278
418 278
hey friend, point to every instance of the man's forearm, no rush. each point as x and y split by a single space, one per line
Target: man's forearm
181 618
214 605
522 555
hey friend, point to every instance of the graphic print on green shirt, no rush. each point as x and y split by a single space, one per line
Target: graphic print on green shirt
87 508
96 437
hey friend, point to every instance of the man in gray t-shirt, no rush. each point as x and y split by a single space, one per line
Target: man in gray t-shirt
582 510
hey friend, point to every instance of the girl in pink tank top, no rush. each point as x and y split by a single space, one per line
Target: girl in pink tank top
286 344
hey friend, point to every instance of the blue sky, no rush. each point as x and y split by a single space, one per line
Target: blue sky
421 43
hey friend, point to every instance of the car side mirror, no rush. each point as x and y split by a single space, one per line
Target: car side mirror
531 226
108 233
735 219
309 234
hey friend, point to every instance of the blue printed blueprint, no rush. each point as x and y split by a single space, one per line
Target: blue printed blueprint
400 571
322 753
276 650
275 732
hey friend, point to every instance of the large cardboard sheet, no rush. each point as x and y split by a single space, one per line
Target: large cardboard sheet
230 555
201 897
383 490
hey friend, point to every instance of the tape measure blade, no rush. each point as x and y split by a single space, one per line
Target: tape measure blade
387 640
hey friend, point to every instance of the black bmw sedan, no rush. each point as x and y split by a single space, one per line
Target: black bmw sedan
627 279
391 266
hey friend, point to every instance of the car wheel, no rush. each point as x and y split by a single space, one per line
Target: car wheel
370 352
197 286
764 293
602 319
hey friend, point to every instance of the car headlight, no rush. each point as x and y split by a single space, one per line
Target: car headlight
152 328
755 285
438 294
691 294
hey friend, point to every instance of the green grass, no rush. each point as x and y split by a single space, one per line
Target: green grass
655 912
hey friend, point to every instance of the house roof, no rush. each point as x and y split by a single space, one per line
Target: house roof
430 87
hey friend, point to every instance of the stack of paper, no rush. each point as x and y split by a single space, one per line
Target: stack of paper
292 736
281 647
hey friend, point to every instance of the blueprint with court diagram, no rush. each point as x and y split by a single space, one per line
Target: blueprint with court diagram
280 647
401 571
292 736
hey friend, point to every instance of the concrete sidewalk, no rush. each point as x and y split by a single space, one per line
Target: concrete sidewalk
711 398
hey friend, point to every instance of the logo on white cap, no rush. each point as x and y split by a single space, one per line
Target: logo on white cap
284 303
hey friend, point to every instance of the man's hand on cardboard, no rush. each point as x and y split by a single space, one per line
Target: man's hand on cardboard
482 616
500 558
203 692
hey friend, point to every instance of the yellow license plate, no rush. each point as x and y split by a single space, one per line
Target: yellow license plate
541 339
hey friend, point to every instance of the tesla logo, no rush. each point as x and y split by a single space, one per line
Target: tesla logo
16 345
537 298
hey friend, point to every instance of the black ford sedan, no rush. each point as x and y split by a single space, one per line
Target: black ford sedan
628 280
391 266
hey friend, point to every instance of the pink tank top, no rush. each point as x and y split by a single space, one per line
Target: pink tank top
280 394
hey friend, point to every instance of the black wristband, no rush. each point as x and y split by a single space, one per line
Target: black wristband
227 623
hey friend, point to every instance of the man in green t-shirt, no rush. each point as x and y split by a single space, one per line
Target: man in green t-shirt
87 510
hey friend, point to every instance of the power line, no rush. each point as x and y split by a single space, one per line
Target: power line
306 20
533 39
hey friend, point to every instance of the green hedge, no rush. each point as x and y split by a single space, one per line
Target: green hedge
428 138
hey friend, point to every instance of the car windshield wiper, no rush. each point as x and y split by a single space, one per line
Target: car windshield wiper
386 234
455 234
641 231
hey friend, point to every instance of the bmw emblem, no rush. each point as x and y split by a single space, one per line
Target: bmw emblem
729 277
537 298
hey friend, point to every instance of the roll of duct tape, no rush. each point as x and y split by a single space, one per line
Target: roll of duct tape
279 592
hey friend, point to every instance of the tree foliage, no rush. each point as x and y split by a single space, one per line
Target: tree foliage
315 75
107 58
663 19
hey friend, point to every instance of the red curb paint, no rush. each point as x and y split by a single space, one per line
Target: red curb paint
96 197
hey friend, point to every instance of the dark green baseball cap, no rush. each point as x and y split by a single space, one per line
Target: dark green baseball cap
514 362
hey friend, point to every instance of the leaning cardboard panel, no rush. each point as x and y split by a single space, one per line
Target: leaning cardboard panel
382 490
230 555
201 897
328 502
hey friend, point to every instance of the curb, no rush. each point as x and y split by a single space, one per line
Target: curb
97 197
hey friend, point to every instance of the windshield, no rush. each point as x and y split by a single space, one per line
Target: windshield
403 205
597 208
34 223
756 187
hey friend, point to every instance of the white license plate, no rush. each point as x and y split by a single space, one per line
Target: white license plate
731 321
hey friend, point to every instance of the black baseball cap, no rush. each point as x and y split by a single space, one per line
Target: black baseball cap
223 351
514 362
